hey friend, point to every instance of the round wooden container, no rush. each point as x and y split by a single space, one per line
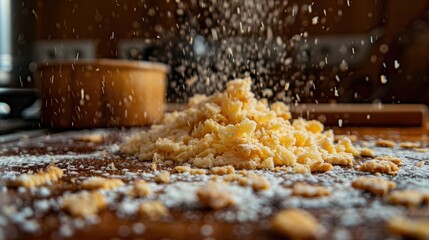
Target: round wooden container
101 93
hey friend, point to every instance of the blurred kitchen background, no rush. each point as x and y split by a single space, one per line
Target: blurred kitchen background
297 51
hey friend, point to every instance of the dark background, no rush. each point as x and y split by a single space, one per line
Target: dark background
401 26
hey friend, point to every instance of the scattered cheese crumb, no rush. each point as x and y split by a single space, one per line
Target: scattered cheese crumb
193 171
50 175
101 183
385 143
212 196
367 152
342 159
296 224
153 210
140 189
282 168
422 150
231 177
393 159
95 138
163 177
352 137
379 166
222 170
409 145
409 228
309 191
409 198
258 182
83 204
420 164
377 186
320 167
301 169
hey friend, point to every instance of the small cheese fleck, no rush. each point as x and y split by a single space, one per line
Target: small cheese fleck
153 210
258 182
367 152
321 167
379 166
342 159
385 143
301 169
163 177
222 170
409 145
214 197
140 189
409 228
95 138
296 224
192 171
352 137
375 185
393 159
50 175
101 183
309 191
409 198
83 204
422 150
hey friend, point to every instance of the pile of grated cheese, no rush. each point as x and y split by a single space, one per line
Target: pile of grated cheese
234 128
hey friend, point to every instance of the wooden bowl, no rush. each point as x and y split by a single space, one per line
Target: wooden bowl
101 93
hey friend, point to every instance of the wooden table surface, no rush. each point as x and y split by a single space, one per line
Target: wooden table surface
83 159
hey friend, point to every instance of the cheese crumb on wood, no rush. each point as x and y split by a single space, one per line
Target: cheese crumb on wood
83 204
153 210
379 166
50 175
101 183
231 177
422 150
352 137
213 197
342 159
320 167
375 185
282 168
367 152
393 159
296 224
345 145
163 177
140 189
385 143
258 182
222 170
409 228
192 171
301 169
309 191
409 145
95 138
409 198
